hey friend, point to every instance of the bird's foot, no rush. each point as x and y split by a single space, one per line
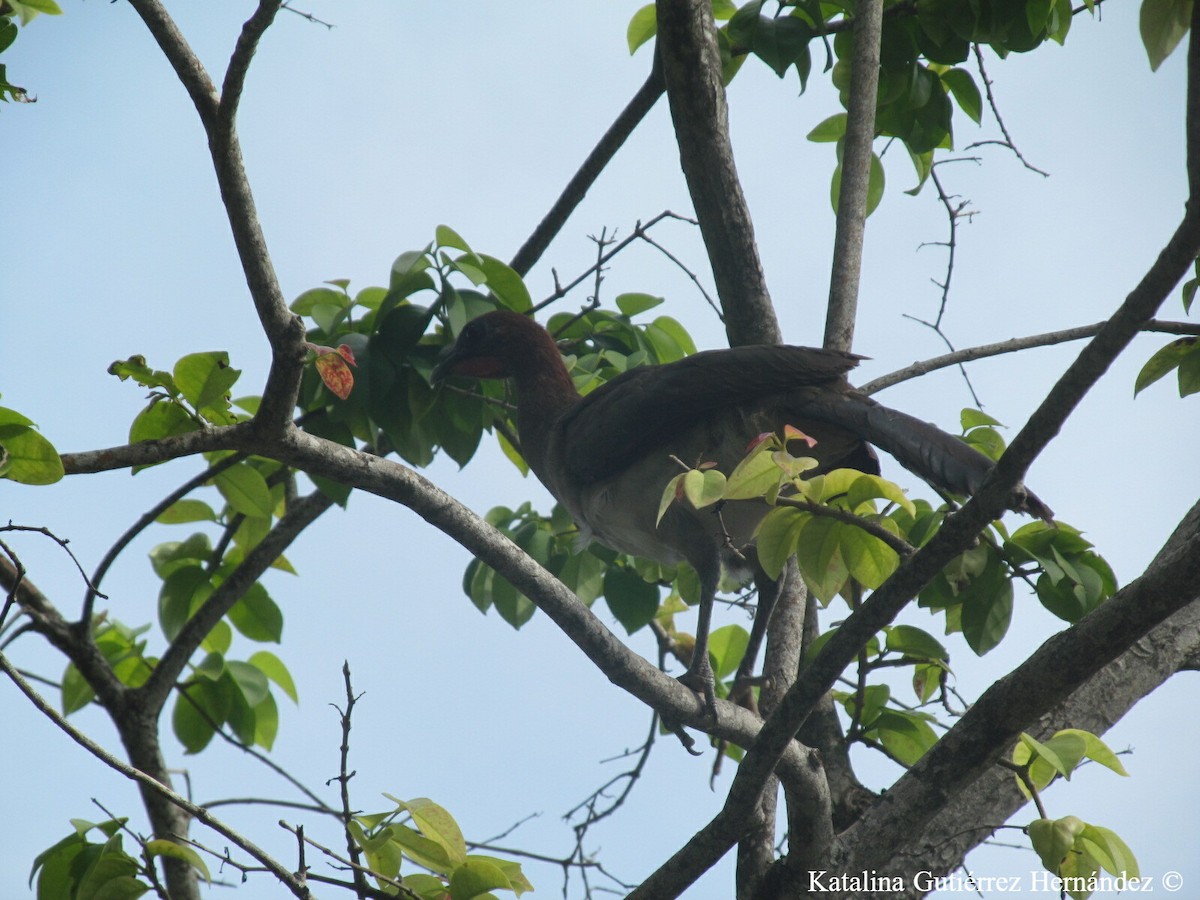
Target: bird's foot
700 678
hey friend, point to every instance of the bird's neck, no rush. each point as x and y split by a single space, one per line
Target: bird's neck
545 392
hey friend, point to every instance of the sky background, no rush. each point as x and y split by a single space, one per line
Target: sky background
359 141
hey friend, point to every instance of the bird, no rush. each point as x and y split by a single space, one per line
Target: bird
607 456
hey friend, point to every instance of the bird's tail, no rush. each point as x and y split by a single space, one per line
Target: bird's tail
943 460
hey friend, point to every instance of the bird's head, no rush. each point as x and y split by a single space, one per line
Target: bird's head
492 346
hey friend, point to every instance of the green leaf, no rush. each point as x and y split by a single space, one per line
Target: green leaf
758 475
271 666
25 456
727 645
635 304
186 510
1110 851
632 600
76 692
703 487
962 87
1053 839
438 825
868 559
905 736
205 379
1163 23
421 850
1164 360
642 27
257 616
162 418
164 847
246 491
914 642
506 284
182 593
445 236
476 877
250 680
830 130
322 296
777 535
199 707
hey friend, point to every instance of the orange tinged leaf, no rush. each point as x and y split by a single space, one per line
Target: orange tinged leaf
334 368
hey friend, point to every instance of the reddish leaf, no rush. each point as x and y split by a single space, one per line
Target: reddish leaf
334 368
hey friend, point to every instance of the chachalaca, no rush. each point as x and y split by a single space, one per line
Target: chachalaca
607 456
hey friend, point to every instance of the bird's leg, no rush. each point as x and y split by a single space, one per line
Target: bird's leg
699 676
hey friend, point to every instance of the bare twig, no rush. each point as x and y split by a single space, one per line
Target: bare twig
1012 345
991 99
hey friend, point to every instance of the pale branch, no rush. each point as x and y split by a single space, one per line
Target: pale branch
284 331
959 529
857 153
239 63
154 692
188 68
46 620
147 453
1064 664
286 878
612 141
143 522
1046 339
691 64
625 668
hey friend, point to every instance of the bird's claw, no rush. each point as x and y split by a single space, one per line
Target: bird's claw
702 681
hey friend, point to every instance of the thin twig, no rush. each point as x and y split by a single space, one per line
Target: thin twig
343 779
1012 345
991 99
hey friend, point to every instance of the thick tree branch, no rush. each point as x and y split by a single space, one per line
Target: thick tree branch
1060 666
692 71
286 878
969 818
154 692
842 309
284 331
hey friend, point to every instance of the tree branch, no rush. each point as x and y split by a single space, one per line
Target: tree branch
286 878
842 308
1062 665
1046 339
692 72
154 692
612 141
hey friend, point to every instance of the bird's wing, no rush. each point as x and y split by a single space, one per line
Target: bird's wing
643 409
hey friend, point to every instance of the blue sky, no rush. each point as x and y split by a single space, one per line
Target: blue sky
359 141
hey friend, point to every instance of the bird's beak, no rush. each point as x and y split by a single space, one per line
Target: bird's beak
447 360
455 361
